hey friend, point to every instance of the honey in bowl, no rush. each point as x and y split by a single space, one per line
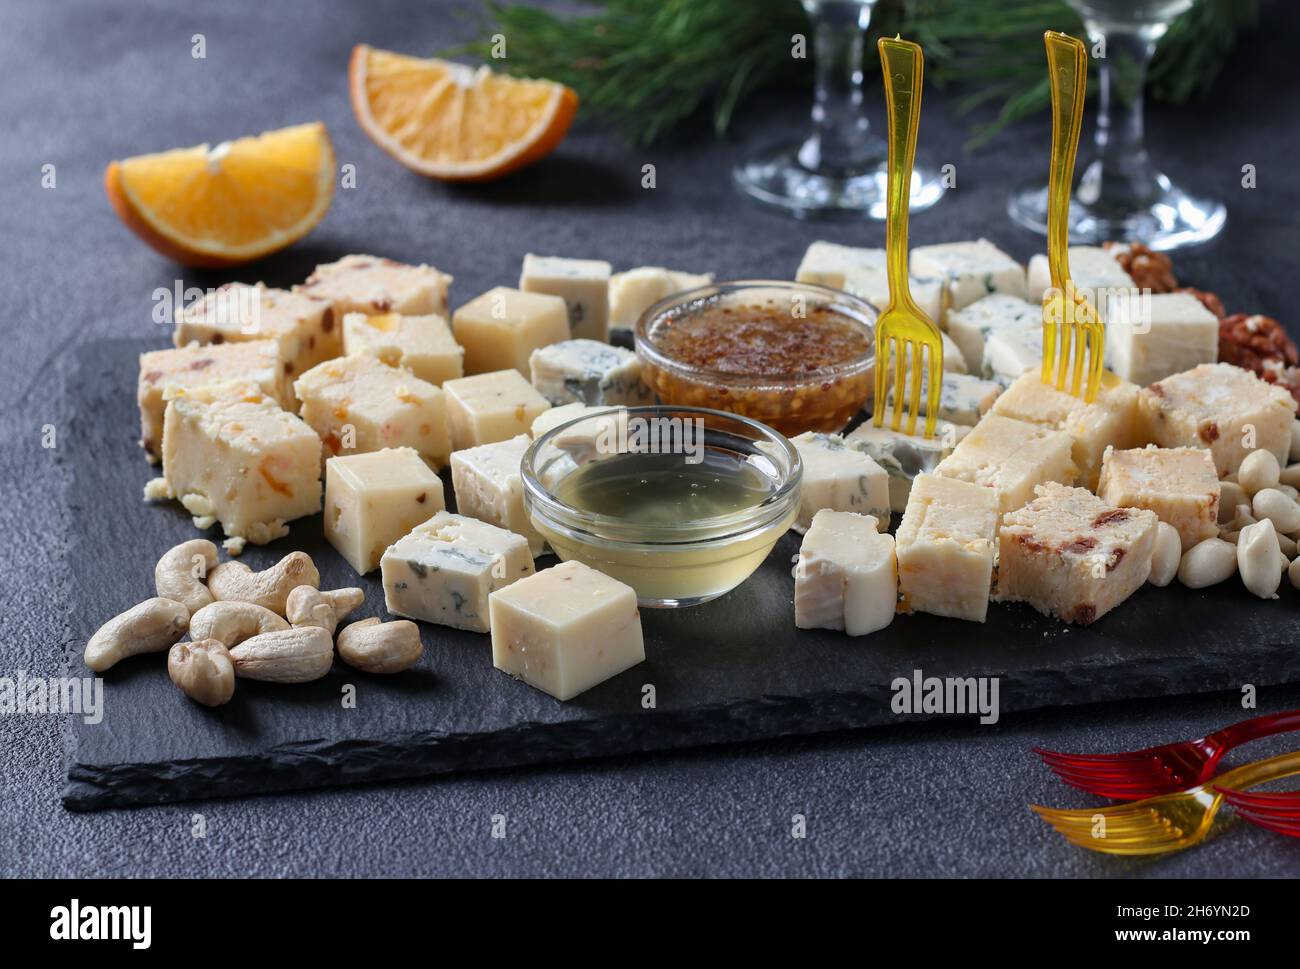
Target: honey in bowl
796 356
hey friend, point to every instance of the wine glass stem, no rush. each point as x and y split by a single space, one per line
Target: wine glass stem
841 143
1122 175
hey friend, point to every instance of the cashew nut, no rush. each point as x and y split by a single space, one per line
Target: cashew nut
285 656
203 670
149 627
312 607
268 588
230 622
380 647
181 572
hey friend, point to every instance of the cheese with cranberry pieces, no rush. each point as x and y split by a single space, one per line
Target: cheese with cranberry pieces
1179 484
369 284
421 344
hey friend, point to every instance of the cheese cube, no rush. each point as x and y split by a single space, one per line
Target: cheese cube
970 271
971 327
1111 419
846 576
583 284
232 455
1071 555
871 283
357 404
368 284
963 399
1009 354
1093 270
372 500
840 478
945 546
1223 408
491 407
1179 484
556 416
256 362
904 456
828 263
588 372
501 328
444 570
1155 335
633 292
1010 457
489 487
421 344
566 629
303 326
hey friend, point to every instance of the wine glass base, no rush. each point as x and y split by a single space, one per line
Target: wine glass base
1175 219
779 180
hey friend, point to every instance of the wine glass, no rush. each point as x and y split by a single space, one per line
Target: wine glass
1120 195
839 169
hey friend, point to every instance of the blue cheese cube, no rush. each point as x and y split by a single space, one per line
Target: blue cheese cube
871 283
846 576
445 569
970 271
583 284
1092 268
588 372
1009 353
828 263
963 399
840 478
970 327
904 456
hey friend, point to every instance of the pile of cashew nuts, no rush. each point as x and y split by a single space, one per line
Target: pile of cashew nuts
275 625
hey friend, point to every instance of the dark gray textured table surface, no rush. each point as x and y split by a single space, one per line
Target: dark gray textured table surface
88 81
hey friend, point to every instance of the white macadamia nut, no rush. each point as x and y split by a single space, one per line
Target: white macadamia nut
1166 555
1282 511
1290 476
1207 563
1231 495
268 588
312 607
296 655
231 622
1258 559
203 670
182 573
380 647
1259 470
149 627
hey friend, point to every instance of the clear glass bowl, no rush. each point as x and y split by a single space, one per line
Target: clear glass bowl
674 561
825 399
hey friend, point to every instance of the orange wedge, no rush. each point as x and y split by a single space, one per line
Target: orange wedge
223 206
453 122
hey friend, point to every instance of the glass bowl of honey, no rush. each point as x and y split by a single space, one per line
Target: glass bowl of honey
680 503
796 356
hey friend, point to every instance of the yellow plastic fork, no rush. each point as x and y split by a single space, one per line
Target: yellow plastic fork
903 324
1066 312
1170 822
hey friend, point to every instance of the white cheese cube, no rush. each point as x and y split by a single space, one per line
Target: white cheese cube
1092 270
444 570
373 499
633 292
1155 335
828 263
1010 353
970 271
232 455
1179 484
871 283
963 399
369 284
421 344
491 407
840 478
489 487
904 456
556 416
583 284
588 372
945 547
846 577
971 327
566 629
189 367
357 404
501 328
1010 457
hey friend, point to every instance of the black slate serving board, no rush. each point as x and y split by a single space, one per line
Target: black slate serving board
733 669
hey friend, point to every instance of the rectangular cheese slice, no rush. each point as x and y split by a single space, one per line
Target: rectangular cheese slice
444 570
904 456
369 284
1158 334
970 271
583 284
373 499
945 548
588 372
566 629
633 292
421 344
1179 484
500 329
1010 457
489 487
846 576
840 478
491 407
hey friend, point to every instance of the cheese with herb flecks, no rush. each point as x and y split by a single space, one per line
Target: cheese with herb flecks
444 570
489 486
846 576
583 284
490 407
840 478
421 344
588 372
369 284
904 456
970 271
373 499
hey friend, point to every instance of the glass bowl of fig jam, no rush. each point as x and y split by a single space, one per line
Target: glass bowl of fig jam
796 356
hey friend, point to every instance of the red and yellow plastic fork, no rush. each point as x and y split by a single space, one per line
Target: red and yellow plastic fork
1165 769
1277 811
